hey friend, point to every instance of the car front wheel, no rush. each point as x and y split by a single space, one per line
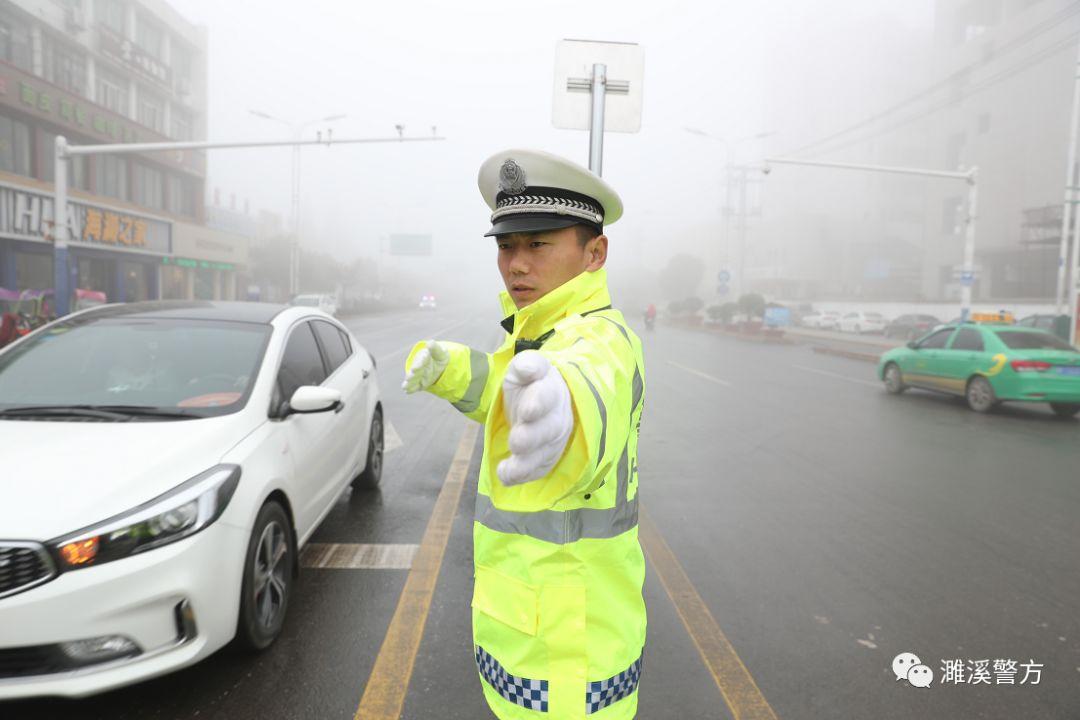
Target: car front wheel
269 570
1065 410
980 395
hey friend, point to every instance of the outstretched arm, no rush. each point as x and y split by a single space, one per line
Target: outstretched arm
452 371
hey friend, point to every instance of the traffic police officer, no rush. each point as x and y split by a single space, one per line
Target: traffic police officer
557 608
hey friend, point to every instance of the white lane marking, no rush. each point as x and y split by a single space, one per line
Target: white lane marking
718 381
409 347
391 440
353 556
837 376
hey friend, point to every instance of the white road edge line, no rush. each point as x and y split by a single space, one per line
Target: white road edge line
837 376
718 381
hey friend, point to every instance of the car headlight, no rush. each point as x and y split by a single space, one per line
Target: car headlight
175 515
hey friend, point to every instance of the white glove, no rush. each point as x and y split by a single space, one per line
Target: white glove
426 367
537 402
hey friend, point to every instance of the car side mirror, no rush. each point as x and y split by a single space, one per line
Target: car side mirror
912 345
309 399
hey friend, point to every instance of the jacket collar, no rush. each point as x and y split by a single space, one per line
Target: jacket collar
588 291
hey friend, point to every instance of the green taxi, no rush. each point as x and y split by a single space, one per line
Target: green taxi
988 364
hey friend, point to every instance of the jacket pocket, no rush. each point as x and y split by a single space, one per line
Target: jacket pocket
506 599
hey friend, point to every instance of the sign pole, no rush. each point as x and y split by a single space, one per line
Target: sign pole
596 124
61 276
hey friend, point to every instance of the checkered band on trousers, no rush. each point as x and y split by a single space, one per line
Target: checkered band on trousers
533 694
608 692
529 694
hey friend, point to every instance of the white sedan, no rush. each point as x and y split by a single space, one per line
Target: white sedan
163 463
863 322
827 320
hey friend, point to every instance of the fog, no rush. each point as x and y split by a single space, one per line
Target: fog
914 84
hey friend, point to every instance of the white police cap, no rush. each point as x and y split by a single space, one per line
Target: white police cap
534 191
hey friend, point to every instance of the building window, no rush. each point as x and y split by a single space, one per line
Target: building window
14 146
148 186
181 196
149 37
151 111
112 14
110 176
112 91
984 123
954 150
181 65
64 66
15 40
181 125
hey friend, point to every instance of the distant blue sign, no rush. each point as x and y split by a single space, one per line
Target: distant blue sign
967 278
722 290
777 317
723 276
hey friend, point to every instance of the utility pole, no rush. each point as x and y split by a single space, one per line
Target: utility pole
970 176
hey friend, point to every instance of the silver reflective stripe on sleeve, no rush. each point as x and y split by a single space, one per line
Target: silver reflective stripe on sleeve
603 413
621 328
478 374
559 526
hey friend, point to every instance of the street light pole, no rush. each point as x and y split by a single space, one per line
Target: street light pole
967 278
294 245
63 152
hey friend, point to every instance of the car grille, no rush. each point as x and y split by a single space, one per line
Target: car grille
30 661
22 566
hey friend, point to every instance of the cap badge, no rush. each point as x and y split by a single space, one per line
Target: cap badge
511 178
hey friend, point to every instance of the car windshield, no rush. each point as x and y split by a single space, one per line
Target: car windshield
1033 341
875 316
310 301
197 368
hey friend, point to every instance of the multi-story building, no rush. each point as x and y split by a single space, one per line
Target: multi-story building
108 71
993 89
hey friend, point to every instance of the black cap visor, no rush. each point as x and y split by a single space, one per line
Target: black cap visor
529 223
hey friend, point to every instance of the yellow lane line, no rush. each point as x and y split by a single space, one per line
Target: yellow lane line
740 692
384 695
718 381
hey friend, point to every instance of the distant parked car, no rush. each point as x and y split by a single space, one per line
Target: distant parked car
830 320
863 322
910 327
1055 324
326 303
821 320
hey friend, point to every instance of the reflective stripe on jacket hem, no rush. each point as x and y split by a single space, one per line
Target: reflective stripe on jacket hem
559 526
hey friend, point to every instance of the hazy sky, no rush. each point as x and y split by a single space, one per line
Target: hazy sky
482 72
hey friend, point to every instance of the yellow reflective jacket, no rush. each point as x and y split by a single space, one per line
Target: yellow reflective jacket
558 612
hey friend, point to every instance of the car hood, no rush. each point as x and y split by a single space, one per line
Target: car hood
58 477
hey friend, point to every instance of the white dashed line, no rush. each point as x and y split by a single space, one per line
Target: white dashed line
718 381
352 556
837 376
391 440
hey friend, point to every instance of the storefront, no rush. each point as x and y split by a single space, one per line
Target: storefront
205 264
111 250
